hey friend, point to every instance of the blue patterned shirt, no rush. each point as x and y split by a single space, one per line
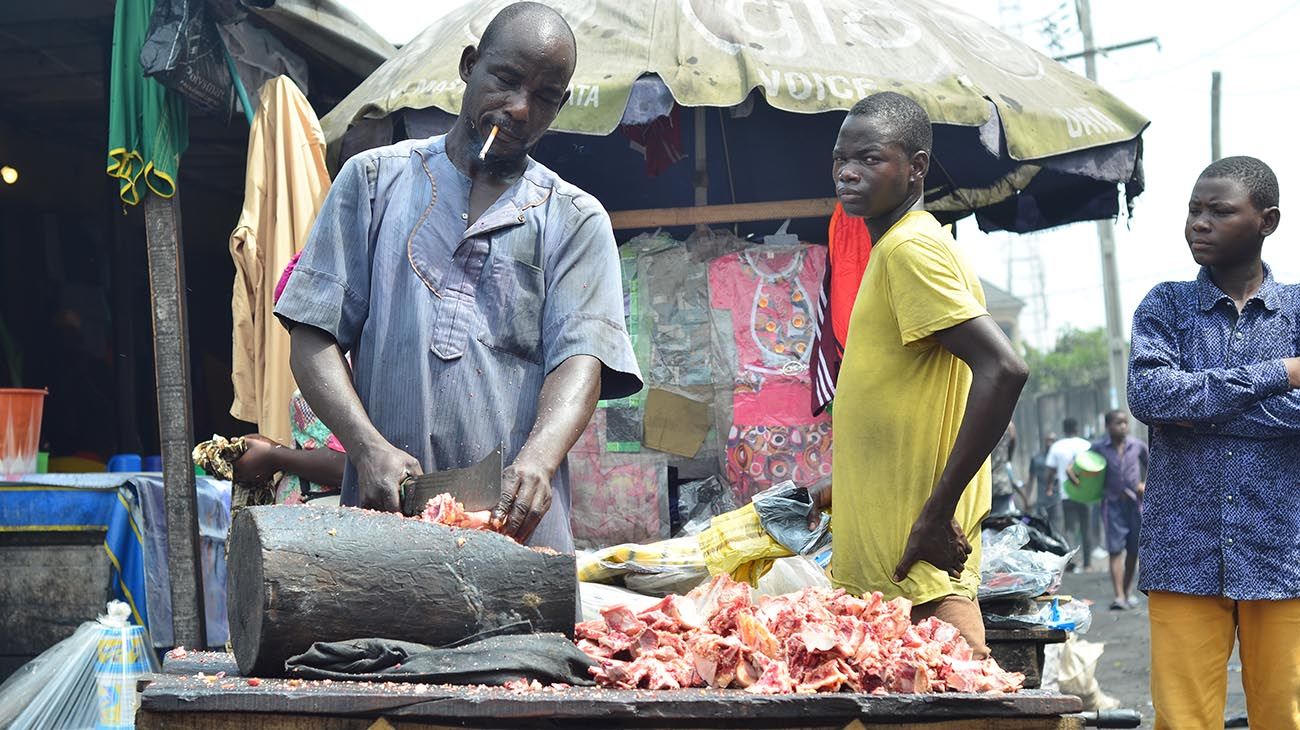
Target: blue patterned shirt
1222 507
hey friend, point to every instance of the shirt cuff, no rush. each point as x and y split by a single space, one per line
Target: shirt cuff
580 334
1269 378
321 300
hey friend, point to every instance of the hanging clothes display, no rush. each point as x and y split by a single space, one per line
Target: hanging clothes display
849 252
286 182
624 416
763 329
616 497
674 295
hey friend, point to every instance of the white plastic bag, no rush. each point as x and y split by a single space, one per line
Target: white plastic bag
790 575
598 596
1077 674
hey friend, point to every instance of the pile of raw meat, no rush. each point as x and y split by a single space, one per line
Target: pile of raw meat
445 510
816 640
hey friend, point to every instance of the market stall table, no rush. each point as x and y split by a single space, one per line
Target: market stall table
117 522
181 698
1022 649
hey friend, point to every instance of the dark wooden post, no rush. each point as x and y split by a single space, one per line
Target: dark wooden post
162 220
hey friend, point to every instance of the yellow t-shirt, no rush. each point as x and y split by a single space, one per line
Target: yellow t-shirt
899 401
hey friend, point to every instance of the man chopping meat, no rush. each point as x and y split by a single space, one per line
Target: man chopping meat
926 389
477 292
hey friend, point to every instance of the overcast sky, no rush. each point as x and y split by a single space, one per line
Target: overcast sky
1252 42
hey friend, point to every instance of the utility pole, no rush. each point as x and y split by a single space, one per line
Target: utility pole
1116 346
1216 86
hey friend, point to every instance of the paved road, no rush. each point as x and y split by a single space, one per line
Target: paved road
1124 669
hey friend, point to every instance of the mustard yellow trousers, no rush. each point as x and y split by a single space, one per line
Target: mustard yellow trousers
1191 641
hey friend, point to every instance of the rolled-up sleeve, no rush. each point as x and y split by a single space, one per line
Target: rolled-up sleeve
330 287
583 313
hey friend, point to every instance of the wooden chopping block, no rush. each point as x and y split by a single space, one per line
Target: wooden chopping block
301 574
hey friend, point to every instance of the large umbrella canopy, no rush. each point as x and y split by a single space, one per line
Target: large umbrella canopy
1043 145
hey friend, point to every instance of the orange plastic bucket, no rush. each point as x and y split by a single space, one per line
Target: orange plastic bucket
20 429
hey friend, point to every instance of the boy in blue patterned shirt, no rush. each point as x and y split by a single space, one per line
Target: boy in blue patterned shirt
1214 373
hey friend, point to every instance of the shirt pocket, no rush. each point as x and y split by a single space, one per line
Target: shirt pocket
511 307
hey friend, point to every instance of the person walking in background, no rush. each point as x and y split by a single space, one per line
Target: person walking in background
1004 485
1043 487
1075 515
1215 373
1127 459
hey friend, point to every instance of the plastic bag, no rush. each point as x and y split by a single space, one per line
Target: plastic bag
85 681
700 501
677 562
1007 570
184 52
1073 616
1077 674
784 511
1042 536
790 575
57 688
598 596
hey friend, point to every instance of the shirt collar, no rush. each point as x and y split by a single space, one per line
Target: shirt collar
531 190
1209 294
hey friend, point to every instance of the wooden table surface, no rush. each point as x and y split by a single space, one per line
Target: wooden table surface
202 691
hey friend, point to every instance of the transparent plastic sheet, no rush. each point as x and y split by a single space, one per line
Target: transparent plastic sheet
1007 570
57 688
85 681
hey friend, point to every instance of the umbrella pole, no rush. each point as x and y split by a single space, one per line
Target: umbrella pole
701 158
162 224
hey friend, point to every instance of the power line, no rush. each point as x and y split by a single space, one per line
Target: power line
1206 54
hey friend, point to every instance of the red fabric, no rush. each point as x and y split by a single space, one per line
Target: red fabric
850 249
284 277
659 141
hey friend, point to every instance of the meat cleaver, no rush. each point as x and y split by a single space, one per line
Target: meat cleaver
477 487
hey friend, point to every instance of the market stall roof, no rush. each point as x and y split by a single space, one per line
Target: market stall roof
1020 140
326 30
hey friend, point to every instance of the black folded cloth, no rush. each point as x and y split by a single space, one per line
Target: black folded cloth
492 658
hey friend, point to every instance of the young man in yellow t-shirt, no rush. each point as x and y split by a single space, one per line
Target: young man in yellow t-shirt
926 389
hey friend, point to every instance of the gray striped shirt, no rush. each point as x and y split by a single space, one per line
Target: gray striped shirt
452 330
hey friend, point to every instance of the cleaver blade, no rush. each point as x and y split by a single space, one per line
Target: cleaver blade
477 487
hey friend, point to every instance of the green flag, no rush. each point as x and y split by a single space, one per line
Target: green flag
147 123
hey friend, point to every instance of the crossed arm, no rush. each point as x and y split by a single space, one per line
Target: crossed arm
1252 401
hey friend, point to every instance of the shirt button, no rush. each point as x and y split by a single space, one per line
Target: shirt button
1239 335
1229 453
1228 541
464 216
1229 497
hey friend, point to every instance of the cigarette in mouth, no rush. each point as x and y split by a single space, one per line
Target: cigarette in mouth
482 154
